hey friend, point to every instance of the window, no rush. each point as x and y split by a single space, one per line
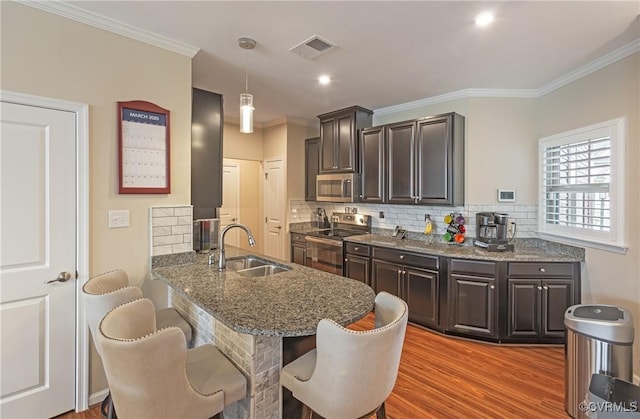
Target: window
581 196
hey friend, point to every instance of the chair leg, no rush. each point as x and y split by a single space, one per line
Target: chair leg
112 410
307 413
381 413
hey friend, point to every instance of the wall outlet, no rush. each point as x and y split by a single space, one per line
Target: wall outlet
118 218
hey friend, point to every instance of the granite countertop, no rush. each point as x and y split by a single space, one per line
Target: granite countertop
526 249
285 304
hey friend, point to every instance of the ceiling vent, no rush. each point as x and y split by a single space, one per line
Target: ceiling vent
313 47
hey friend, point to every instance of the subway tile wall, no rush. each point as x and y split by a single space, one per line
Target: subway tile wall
171 230
412 217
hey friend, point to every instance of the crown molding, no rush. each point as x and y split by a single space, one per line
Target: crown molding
608 59
79 15
614 56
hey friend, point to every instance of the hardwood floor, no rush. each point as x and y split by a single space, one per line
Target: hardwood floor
445 377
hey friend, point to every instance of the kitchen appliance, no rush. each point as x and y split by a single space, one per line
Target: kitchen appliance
492 229
324 246
205 234
338 187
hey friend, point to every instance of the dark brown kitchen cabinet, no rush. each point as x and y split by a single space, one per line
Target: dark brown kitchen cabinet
473 308
298 248
538 296
311 167
423 161
400 162
338 138
440 160
412 277
356 262
372 164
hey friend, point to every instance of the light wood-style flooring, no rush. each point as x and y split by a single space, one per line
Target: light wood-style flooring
445 377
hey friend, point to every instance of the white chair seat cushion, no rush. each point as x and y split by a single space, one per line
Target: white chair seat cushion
169 317
300 369
209 371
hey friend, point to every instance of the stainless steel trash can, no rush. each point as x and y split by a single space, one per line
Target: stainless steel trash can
599 341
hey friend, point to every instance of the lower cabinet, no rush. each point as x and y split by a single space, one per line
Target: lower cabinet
538 296
473 307
356 263
298 248
415 280
511 302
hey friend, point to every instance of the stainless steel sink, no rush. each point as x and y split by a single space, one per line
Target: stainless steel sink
253 266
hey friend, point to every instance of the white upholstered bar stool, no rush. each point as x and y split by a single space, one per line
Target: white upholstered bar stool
350 374
104 292
152 374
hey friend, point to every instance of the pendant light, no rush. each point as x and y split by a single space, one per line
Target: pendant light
246 98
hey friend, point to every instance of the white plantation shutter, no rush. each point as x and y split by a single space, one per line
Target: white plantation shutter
580 182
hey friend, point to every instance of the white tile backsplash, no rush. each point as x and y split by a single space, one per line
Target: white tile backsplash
411 217
171 229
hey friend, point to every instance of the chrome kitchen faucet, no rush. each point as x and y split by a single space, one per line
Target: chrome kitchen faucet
222 263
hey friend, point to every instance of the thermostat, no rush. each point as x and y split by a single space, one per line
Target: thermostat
506 195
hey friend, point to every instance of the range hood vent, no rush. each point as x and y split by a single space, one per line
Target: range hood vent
313 47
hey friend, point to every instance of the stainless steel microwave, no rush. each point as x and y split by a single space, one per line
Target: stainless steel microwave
338 187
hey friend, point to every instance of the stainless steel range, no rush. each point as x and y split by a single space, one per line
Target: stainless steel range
324 247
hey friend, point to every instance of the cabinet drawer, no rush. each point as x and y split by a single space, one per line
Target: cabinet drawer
406 258
298 238
540 269
358 249
476 267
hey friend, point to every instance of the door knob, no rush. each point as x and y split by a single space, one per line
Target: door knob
62 277
278 227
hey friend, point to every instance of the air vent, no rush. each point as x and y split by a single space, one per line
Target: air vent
313 47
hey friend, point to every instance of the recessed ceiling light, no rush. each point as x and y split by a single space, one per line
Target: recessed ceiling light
324 79
484 19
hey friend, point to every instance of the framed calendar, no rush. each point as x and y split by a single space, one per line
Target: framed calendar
143 145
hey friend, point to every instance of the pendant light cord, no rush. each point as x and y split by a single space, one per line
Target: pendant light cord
246 73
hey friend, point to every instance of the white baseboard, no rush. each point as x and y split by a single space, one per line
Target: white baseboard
636 379
98 397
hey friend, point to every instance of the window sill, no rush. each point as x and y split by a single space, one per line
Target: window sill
607 247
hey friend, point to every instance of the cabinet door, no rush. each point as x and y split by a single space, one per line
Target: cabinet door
356 267
327 145
524 308
298 254
421 295
372 164
434 161
311 167
472 305
345 152
401 163
557 296
386 277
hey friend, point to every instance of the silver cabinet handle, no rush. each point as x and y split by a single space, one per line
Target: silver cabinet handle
542 270
539 287
62 277
545 287
346 260
402 257
492 287
356 248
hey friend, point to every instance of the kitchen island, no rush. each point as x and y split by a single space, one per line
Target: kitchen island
255 320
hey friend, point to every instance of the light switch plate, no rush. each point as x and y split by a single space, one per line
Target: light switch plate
118 218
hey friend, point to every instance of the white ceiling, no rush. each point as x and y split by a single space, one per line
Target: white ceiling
389 52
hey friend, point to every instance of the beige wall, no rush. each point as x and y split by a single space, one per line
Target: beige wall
610 93
241 146
47 55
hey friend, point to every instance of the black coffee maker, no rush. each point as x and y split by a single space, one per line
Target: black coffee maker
492 230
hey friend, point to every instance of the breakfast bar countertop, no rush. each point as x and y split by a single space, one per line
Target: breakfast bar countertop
284 304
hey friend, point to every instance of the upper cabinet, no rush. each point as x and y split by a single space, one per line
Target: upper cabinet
338 138
414 162
311 167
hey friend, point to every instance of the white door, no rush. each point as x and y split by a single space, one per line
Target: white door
37 244
274 209
230 210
